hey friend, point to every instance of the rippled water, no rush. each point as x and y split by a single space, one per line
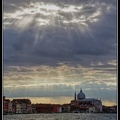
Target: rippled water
61 116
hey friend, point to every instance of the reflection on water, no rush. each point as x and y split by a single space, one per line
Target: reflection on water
61 116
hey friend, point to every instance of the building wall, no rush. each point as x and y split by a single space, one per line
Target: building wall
29 108
86 105
5 105
10 107
24 108
44 108
18 108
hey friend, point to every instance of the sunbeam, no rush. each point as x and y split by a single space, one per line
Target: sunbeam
53 48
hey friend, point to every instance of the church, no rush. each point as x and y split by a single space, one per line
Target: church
83 104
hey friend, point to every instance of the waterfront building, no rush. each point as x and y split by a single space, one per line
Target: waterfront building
18 108
6 105
83 104
10 108
21 106
33 108
44 108
29 108
65 108
57 108
24 107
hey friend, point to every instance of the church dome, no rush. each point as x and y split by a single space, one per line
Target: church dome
80 95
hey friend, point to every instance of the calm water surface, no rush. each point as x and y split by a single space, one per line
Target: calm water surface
61 116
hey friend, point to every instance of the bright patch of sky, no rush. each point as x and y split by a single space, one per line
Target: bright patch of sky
52 48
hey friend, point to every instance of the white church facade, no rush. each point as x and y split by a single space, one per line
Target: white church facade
83 104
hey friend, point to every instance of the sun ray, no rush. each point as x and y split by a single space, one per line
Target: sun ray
65 29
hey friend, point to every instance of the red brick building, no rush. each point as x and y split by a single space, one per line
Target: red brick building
6 103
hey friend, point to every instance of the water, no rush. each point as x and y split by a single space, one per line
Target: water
61 116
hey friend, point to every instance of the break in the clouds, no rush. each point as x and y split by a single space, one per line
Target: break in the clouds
52 48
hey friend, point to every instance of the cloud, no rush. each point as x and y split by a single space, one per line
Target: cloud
64 79
63 43
92 90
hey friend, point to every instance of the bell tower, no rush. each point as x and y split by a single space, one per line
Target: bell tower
75 96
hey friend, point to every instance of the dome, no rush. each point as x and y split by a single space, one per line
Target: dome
81 95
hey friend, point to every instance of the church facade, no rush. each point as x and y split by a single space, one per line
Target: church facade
83 104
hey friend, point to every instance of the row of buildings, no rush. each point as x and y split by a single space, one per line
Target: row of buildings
79 104
24 106
17 106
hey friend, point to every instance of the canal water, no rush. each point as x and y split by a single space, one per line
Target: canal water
62 116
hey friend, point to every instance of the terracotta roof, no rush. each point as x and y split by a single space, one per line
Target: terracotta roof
27 101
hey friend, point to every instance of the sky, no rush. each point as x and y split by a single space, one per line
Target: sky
52 48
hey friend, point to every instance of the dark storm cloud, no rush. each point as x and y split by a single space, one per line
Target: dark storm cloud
53 45
50 44
52 48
